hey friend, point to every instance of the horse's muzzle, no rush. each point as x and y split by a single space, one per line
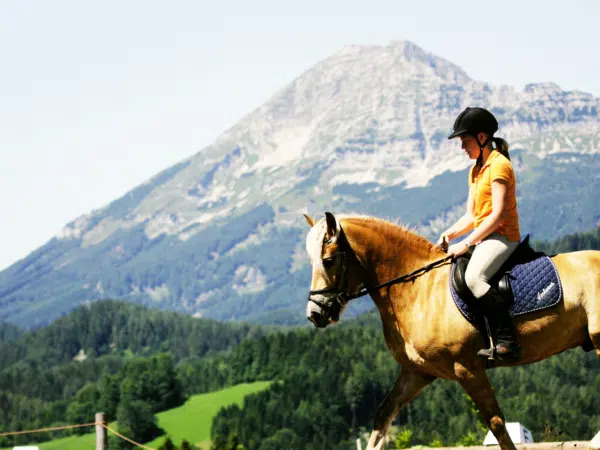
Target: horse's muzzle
317 314
318 320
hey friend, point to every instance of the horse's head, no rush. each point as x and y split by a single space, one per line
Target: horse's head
335 270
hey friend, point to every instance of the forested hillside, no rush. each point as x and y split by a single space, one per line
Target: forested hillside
108 356
113 327
9 332
571 242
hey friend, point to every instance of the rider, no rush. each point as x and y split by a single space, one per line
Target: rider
492 216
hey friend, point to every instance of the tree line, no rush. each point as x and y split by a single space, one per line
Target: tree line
110 356
571 242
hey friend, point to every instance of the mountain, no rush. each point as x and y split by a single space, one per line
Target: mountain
221 234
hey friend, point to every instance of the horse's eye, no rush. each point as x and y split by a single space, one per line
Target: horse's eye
328 262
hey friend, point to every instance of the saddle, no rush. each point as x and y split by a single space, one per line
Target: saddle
523 254
528 280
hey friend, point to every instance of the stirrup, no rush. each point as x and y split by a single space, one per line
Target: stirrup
490 352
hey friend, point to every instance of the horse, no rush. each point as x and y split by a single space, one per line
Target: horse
423 328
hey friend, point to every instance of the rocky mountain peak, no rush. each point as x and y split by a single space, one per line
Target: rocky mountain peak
363 130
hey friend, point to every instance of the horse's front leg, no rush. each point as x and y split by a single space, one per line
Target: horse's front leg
407 386
477 385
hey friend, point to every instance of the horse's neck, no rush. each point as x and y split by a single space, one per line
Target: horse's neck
389 252
398 255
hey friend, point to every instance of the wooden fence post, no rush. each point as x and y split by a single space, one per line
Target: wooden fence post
101 441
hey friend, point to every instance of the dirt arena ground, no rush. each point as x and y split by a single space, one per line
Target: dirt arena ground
568 445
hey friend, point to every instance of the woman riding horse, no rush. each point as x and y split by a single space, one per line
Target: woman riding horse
424 330
493 218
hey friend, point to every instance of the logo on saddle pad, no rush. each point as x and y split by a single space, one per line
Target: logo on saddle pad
543 292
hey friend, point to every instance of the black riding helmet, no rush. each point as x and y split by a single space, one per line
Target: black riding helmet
473 121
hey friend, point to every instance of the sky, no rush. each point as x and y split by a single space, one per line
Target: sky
96 97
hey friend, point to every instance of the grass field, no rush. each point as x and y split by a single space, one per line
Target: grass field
190 421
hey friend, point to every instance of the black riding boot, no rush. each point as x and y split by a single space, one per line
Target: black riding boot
502 327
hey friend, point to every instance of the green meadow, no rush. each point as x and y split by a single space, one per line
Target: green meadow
191 421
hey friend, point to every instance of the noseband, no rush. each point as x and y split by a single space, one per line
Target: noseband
342 296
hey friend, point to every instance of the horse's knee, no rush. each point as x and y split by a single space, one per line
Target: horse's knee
497 425
381 419
595 339
596 343
384 415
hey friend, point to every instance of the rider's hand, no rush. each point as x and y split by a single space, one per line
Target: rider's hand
458 249
442 243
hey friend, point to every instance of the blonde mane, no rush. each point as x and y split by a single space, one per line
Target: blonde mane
385 228
392 230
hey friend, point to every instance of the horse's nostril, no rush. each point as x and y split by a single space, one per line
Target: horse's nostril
315 318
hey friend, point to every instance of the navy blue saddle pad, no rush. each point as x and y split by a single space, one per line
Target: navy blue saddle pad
535 285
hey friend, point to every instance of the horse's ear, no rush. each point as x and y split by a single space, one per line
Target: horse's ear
309 220
332 227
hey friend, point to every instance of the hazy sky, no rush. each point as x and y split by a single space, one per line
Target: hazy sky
98 96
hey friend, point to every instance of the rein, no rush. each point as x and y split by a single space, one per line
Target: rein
401 279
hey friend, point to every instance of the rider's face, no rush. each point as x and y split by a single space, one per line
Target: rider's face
470 145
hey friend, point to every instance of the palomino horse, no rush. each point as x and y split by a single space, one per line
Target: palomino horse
423 328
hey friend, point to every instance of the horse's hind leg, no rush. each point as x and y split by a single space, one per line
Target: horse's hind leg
592 294
595 338
478 386
594 328
407 386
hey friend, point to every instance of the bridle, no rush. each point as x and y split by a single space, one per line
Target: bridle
342 296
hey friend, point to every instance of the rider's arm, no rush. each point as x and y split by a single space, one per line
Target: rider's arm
465 223
493 221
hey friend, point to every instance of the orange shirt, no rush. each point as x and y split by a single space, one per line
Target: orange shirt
497 167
